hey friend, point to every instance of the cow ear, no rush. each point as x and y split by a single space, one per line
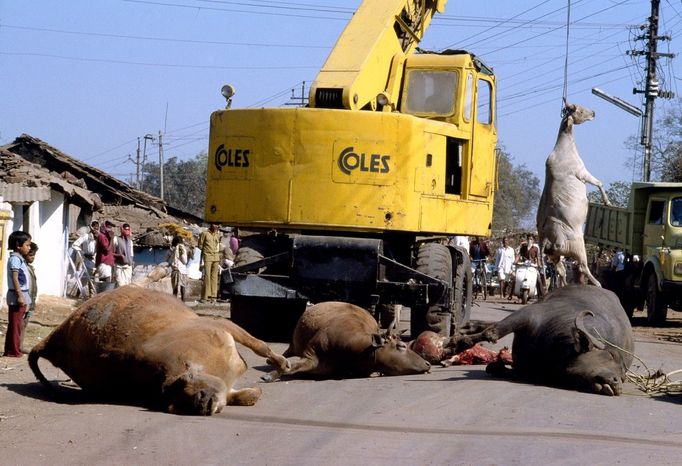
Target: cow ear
584 341
377 340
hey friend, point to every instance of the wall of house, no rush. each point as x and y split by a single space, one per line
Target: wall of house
47 226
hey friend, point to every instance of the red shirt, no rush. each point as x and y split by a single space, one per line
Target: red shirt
104 250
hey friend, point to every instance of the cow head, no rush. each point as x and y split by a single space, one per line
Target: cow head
195 393
575 114
393 357
596 367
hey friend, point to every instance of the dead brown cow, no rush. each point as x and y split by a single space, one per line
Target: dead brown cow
147 347
336 339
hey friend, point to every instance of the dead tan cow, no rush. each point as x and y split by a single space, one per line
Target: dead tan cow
335 339
563 206
147 347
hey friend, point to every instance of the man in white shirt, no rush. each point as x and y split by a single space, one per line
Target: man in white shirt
123 256
86 246
504 259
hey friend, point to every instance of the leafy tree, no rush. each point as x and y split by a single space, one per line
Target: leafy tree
618 192
184 182
666 147
516 201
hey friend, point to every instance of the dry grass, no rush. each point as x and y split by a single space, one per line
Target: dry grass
50 312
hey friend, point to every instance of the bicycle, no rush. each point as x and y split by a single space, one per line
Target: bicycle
480 279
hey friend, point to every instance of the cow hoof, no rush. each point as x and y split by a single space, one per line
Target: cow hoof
607 389
271 377
245 397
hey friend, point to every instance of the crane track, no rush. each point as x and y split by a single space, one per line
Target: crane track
582 436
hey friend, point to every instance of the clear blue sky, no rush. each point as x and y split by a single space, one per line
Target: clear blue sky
90 77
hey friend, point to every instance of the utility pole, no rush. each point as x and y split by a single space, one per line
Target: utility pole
298 100
144 156
137 165
651 87
161 163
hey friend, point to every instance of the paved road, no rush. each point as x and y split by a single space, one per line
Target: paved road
455 415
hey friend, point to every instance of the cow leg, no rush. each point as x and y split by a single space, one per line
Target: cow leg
581 255
244 397
257 346
458 343
307 363
586 177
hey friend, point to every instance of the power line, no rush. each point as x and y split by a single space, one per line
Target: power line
158 65
232 10
162 39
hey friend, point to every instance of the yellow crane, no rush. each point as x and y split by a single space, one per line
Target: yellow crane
395 149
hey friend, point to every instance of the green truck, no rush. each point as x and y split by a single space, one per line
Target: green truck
649 231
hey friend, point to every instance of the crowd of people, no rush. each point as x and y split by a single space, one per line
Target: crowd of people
107 257
505 258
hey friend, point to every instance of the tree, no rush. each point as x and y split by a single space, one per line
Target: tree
618 193
667 162
666 147
184 183
516 201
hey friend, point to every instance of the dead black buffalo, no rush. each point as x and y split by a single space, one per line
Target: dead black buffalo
579 337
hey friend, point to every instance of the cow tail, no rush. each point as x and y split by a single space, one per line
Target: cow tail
35 354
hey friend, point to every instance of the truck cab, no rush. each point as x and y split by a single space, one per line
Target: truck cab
649 230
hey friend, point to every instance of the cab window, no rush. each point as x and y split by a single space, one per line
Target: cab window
656 213
484 112
468 97
431 93
676 212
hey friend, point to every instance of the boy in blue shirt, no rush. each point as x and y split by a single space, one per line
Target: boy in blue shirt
18 297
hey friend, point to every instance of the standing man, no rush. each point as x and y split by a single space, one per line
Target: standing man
534 257
478 250
209 245
504 259
618 268
86 245
177 259
104 252
123 256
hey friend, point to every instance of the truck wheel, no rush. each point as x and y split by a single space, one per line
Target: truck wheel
461 309
524 297
434 260
656 307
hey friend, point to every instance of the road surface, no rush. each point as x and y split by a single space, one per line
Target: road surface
454 415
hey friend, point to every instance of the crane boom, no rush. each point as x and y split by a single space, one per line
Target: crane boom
369 54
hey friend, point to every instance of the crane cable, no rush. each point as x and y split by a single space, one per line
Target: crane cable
568 30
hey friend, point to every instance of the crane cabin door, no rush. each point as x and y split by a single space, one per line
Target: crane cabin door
482 167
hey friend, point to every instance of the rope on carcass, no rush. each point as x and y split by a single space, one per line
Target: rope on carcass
651 383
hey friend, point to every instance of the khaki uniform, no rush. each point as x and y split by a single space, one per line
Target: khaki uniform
209 244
